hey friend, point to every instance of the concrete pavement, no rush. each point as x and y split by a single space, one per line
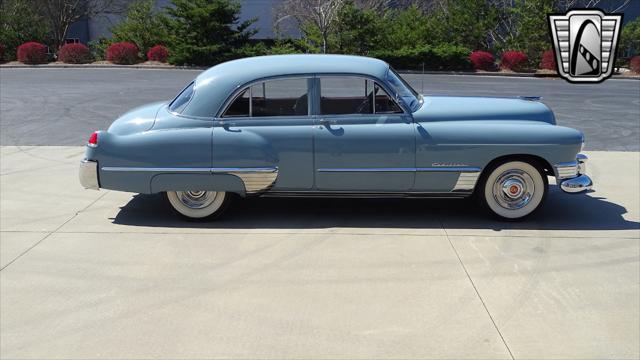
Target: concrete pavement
89 274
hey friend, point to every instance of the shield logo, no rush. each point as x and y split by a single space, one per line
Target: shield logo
585 43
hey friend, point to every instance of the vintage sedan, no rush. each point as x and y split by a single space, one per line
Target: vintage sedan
331 125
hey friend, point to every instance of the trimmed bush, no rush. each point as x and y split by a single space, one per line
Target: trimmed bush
158 53
32 53
123 53
2 48
634 64
442 57
548 61
482 60
513 60
74 54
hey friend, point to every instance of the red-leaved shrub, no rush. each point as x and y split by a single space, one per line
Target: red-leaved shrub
514 60
74 54
32 53
482 60
158 53
548 61
634 64
2 48
123 53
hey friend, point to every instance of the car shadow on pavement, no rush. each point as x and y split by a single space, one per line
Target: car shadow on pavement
560 212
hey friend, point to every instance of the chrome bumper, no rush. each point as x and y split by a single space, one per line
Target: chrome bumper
577 183
89 174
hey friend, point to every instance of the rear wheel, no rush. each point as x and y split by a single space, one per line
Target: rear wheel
199 204
513 190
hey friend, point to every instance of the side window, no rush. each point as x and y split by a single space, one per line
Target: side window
345 95
341 95
383 102
180 102
239 106
281 97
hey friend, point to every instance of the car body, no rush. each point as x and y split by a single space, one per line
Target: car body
328 125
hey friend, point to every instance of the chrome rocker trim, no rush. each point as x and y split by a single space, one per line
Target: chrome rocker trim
89 174
579 181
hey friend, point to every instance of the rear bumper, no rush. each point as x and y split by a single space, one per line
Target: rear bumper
579 182
89 174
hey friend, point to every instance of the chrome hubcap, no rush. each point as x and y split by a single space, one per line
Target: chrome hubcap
513 189
196 199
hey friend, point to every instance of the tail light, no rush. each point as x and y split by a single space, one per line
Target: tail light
93 140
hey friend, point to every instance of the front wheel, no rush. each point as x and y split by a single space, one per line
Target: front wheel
513 190
199 204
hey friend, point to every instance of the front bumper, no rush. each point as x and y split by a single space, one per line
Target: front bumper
572 176
89 174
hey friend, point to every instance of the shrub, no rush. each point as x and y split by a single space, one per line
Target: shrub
158 53
514 60
634 64
74 54
123 53
441 57
99 47
548 61
32 53
482 60
2 52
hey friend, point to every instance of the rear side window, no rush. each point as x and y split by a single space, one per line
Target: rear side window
280 97
180 102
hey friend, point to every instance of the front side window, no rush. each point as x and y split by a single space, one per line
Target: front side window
180 102
344 95
404 90
280 97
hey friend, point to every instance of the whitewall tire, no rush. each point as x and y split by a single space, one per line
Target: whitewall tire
199 204
513 190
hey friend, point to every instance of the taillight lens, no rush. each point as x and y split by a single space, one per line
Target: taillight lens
93 139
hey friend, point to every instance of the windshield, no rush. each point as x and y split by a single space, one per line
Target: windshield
181 101
404 90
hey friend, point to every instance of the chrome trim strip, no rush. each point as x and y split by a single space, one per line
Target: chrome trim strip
566 170
156 169
350 194
431 169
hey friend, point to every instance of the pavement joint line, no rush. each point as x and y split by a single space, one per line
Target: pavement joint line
476 290
53 232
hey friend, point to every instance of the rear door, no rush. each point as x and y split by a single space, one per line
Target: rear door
364 141
268 125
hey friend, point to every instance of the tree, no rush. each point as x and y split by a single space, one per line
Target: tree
630 38
205 32
19 23
313 17
525 28
357 30
60 14
142 25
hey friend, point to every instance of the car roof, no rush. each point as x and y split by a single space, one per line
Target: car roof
213 86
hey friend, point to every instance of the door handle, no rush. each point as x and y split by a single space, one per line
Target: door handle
328 122
225 124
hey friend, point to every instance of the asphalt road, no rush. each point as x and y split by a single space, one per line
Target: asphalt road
63 106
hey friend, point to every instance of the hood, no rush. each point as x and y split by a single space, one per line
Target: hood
466 108
137 120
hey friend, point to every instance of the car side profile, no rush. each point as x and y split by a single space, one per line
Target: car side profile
333 125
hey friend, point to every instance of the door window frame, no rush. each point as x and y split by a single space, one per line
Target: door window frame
241 89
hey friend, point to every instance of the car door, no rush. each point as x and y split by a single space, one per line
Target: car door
364 141
268 125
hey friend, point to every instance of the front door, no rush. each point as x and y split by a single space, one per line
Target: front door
364 141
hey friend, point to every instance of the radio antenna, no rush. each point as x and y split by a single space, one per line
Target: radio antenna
422 82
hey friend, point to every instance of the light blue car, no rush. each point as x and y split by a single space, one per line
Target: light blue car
331 125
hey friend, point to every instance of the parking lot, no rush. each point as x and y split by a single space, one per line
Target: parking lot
102 274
